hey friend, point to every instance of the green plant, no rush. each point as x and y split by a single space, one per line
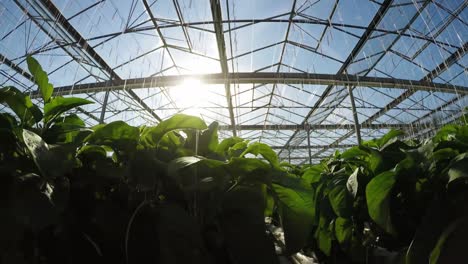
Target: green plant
172 193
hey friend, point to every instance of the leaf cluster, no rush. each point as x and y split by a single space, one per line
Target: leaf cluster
174 193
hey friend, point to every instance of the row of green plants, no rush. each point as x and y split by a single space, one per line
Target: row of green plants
173 193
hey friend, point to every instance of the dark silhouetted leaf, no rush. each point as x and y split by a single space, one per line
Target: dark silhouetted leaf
21 104
32 202
243 225
180 237
432 225
451 247
189 173
208 141
46 156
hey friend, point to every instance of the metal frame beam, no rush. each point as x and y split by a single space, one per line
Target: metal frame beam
218 26
317 127
60 21
15 67
283 51
264 78
313 147
431 75
386 5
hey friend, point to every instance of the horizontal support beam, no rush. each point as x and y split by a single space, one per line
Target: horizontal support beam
260 77
314 147
316 127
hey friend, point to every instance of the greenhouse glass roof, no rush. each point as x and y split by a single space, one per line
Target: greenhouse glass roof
279 72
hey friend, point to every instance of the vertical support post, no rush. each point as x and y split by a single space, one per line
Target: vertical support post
357 126
308 145
289 156
218 28
104 107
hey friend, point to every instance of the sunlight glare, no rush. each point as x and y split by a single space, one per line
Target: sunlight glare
190 96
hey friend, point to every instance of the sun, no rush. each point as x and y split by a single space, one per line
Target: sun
190 96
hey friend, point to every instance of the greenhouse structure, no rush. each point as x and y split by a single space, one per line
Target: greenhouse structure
249 131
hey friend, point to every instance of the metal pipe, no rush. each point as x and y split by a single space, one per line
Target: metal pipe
357 126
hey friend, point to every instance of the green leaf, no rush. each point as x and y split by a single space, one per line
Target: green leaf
343 230
41 78
226 144
153 135
66 130
386 140
117 134
352 184
183 162
266 151
324 239
374 160
313 174
21 104
237 149
353 153
170 142
38 148
247 165
249 169
270 201
92 152
451 247
59 105
443 154
462 133
458 167
446 133
289 180
340 200
297 213
378 195
46 156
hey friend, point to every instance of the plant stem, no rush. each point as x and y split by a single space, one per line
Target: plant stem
127 233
